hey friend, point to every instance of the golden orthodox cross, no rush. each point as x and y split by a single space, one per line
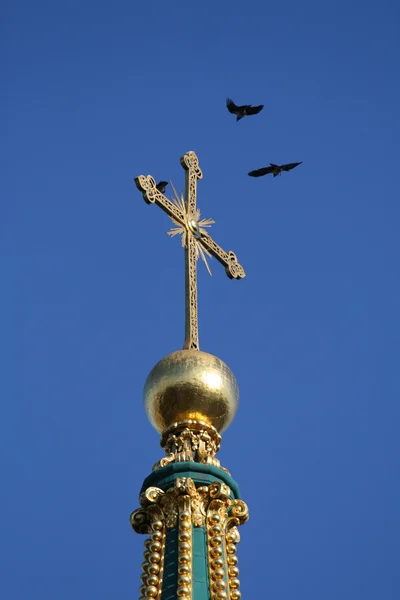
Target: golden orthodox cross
195 239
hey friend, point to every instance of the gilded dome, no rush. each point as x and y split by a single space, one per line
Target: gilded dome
191 385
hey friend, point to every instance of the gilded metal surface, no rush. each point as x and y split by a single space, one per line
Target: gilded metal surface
186 506
223 516
150 521
185 547
232 538
195 240
192 441
203 502
191 385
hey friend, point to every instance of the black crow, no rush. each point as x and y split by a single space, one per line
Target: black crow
161 186
242 111
274 169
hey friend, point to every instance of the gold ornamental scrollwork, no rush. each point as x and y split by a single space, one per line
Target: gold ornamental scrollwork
190 441
150 496
185 505
212 499
140 521
238 514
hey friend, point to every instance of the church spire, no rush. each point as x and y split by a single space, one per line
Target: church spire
190 506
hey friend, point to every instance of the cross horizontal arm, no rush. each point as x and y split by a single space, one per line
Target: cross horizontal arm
228 259
151 195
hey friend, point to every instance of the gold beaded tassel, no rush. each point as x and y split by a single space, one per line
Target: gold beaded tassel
216 555
232 539
153 564
185 547
223 516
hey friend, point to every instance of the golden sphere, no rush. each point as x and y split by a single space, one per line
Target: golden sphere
216 552
234 583
184 558
219 585
153 569
216 541
184 547
217 563
154 557
191 385
216 530
182 591
183 569
218 574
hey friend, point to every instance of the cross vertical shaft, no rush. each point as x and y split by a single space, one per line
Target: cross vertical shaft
192 173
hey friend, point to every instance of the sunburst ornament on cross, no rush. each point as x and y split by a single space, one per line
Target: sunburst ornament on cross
195 239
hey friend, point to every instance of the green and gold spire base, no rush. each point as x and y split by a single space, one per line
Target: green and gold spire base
190 507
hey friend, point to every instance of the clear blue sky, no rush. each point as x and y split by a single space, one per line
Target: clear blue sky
95 93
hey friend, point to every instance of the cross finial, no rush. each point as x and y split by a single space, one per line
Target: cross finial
196 241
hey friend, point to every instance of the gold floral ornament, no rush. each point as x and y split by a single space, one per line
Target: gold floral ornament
193 226
195 239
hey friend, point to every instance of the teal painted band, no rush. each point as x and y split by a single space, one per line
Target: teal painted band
164 477
170 575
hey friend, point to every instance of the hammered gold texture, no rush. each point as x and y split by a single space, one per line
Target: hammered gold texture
191 385
196 241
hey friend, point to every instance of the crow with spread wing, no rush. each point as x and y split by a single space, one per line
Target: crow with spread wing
274 169
161 186
242 111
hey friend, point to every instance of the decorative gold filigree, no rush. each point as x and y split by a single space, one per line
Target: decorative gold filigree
190 441
170 509
195 239
186 505
159 505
